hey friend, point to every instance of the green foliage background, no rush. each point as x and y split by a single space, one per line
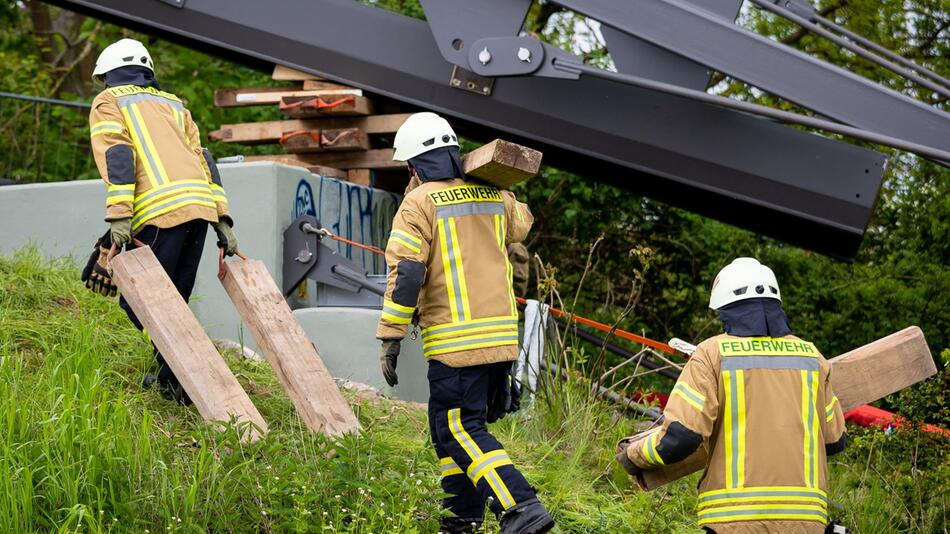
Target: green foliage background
900 277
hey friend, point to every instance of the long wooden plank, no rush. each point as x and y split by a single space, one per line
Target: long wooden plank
285 346
268 96
502 164
176 332
282 73
251 133
859 377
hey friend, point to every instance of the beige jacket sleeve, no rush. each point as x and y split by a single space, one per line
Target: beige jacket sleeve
209 166
407 252
689 416
113 151
519 218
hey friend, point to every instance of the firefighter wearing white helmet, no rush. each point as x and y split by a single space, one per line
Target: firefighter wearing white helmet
161 186
449 275
122 53
762 401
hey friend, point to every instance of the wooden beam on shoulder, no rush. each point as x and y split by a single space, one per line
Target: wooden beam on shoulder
862 376
502 164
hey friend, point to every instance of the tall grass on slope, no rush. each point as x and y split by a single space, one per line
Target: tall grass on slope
83 449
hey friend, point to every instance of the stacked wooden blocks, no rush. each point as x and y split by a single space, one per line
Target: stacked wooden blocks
331 129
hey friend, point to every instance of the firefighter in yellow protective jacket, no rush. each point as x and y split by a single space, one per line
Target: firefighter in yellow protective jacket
763 399
161 186
449 273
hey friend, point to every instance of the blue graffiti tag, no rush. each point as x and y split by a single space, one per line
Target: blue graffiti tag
304 204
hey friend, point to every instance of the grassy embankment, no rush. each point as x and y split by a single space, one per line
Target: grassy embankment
83 449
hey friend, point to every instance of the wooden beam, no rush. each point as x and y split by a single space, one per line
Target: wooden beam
320 85
859 377
369 159
302 142
502 164
251 133
189 352
327 105
283 73
267 96
344 140
286 347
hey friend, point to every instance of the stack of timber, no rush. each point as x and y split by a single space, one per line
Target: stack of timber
332 130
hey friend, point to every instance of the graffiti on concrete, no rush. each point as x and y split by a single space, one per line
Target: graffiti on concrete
304 204
362 214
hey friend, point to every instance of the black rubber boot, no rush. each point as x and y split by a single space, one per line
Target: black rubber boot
459 525
528 517
149 381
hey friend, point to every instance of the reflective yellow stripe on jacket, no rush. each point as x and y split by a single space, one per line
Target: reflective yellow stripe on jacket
474 334
763 503
168 197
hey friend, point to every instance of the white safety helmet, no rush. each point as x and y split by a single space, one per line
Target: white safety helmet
122 53
744 278
421 133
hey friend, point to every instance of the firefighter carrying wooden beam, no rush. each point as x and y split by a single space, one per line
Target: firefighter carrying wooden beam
162 187
763 399
449 273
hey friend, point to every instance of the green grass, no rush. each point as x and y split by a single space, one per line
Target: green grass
83 449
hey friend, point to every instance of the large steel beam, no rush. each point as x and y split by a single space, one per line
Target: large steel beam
706 38
806 189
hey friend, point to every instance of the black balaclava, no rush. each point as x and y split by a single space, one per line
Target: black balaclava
131 75
755 317
442 163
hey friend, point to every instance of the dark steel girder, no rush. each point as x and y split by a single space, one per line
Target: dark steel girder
709 39
806 189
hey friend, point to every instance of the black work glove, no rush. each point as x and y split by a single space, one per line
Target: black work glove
95 274
388 354
226 238
501 393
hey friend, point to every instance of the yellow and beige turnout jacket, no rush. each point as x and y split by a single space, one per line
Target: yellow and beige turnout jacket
448 269
768 410
148 151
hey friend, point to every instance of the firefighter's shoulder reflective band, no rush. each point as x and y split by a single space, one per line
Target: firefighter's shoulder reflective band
766 346
465 193
106 127
124 92
770 362
649 452
830 409
407 240
397 313
690 395
449 467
